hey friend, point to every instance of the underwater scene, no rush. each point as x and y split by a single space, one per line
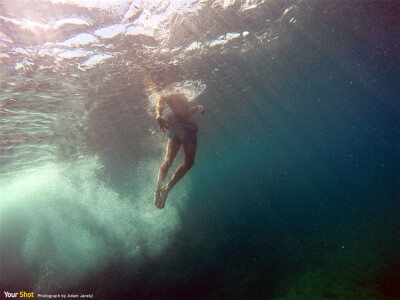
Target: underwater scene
291 186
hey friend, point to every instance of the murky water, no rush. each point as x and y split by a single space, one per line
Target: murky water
295 189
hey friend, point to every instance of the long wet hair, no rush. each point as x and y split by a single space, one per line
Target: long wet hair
174 100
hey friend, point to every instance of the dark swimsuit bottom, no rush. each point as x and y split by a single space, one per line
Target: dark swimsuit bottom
182 128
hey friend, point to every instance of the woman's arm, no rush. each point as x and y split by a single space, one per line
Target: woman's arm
160 107
199 108
159 110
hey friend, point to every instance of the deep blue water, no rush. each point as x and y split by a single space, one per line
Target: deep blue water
295 191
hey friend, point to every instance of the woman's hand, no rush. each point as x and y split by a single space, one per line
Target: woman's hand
196 108
201 109
162 123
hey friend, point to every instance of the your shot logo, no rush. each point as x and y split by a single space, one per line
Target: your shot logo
18 295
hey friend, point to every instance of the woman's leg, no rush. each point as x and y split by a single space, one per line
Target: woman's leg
189 150
172 149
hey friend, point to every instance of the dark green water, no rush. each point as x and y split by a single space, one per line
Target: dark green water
295 191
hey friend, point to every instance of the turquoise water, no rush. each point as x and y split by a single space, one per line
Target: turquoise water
296 185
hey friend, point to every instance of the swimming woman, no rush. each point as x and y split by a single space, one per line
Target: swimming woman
182 130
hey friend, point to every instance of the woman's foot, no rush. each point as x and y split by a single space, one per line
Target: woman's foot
157 198
163 196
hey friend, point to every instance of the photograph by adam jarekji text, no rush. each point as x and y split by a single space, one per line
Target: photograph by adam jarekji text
62 296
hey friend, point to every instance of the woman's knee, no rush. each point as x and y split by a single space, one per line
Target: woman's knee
189 163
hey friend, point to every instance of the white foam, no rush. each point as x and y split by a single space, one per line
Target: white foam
194 46
134 30
72 224
74 53
218 42
111 31
132 12
70 21
93 61
80 40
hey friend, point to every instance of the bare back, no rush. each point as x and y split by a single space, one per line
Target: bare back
178 104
